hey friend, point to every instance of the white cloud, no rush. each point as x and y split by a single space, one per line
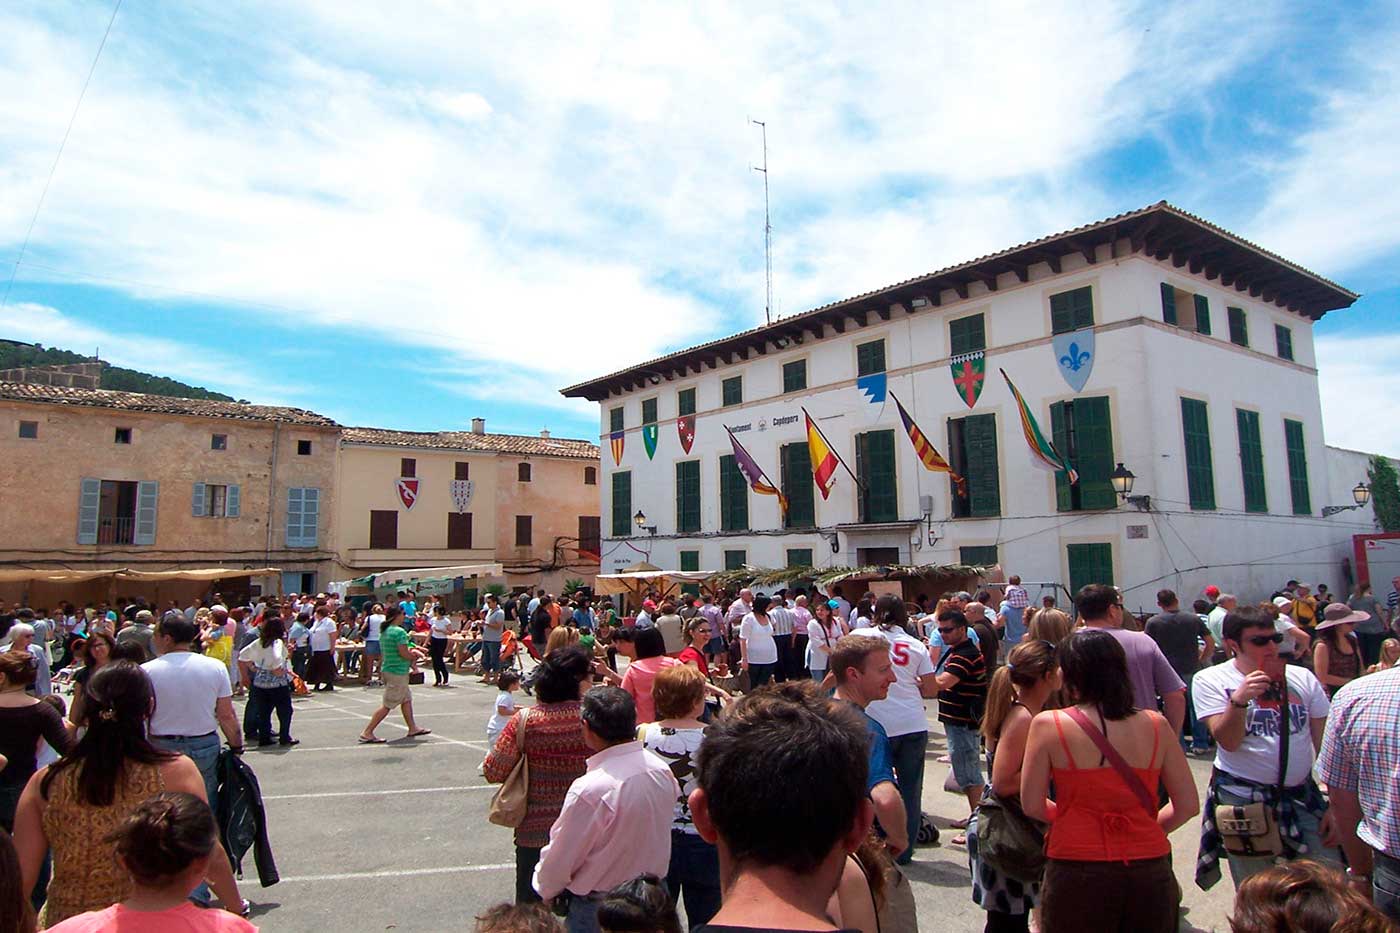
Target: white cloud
465 106
1356 376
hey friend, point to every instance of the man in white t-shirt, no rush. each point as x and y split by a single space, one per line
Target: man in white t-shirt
1240 702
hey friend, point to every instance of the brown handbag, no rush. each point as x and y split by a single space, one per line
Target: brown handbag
509 803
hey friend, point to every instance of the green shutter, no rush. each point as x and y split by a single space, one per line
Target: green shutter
1297 467
615 419
983 476
978 555
1284 338
1202 315
960 499
1059 436
1168 304
875 465
1093 449
1239 327
967 335
794 376
648 411
1251 461
690 560
732 391
870 358
799 557
1089 563
1200 477
796 464
733 496
1072 310
685 402
733 560
622 504
688 496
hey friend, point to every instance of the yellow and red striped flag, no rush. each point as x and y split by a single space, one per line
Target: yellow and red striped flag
824 459
928 456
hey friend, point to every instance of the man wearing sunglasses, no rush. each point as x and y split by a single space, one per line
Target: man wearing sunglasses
1242 702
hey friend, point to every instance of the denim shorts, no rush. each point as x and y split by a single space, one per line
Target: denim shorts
965 750
372 649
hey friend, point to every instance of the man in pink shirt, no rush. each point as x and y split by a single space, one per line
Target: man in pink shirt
616 819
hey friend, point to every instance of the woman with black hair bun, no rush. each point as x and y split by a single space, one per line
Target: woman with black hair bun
641 905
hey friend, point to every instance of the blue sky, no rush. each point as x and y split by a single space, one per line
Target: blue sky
407 215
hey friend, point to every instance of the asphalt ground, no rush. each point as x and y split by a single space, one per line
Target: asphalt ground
395 836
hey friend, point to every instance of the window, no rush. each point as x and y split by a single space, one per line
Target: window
733 496
590 476
524 530
384 529
731 391
879 499
870 358
967 335
461 470
688 496
794 375
615 419
29 429
1072 310
972 453
459 531
978 555
622 504
590 536
1089 563
211 500
685 402
795 461
522 473
1239 327
1251 460
303 510
1169 304
733 560
117 512
408 467
690 560
218 442
1083 433
1174 300
799 557
1297 467
1200 477
303 448
648 411
1284 338
123 436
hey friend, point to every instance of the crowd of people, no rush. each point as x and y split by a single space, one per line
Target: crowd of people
639 783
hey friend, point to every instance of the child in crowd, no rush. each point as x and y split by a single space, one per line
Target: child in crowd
508 683
165 844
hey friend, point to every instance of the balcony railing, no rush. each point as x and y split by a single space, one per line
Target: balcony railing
112 530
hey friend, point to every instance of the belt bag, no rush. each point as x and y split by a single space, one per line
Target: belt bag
1252 828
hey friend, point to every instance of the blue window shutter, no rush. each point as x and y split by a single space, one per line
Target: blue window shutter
294 517
232 503
89 502
197 507
146 496
310 512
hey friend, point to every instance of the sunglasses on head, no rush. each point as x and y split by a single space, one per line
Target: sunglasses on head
1260 641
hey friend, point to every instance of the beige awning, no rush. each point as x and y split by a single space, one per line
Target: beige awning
608 584
61 575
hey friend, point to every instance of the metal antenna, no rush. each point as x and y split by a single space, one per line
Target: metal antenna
767 226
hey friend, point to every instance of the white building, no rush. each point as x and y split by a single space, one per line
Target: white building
1202 381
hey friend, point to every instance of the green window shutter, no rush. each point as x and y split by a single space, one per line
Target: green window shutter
648 411
870 358
983 476
233 503
794 376
615 419
1089 563
1297 467
957 459
1168 304
733 560
978 555
967 335
732 391
1251 460
733 496
197 505
799 557
796 464
690 560
1239 327
1072 310
1202 315
1093 453
685 402
89 507
622 504
879 498
688 496
1200 477
1284 338
1059 436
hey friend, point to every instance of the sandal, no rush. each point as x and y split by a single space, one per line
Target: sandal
959 840
417 732
370 740
960 824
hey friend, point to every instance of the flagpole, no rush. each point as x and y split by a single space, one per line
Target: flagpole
830 446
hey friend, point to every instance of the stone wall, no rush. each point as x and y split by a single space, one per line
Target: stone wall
70 375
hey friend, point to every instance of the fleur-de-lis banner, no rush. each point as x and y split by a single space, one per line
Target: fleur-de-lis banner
1074 356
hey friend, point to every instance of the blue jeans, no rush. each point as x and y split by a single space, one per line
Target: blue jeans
1245 866
1385 885
490 657
693 877
1200 735
583 915
203 750
907 756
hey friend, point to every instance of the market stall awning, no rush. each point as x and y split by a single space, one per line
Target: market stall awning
608 584
58 575
422 574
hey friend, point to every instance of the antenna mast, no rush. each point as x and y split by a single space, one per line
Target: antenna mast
767 227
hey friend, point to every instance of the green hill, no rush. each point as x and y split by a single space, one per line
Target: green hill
14 355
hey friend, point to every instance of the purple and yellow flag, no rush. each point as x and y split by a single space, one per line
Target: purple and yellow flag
757 479
928 455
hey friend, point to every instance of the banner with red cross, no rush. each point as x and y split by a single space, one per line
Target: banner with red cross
969 375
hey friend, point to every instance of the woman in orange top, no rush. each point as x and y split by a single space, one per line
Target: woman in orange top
1109 862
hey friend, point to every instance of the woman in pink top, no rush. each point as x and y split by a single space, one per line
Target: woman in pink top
165 844
641 673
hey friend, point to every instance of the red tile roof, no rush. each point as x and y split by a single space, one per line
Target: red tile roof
161 404
467 440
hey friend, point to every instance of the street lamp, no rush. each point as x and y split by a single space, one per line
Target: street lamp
641 521
1360 494
1122 479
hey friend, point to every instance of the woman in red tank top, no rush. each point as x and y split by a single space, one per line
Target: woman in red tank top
1109 862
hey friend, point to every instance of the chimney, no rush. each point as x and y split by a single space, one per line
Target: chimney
478 425
544 433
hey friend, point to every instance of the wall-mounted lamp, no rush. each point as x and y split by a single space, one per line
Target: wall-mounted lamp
919 303
641 521
1123 479
1360 493
834 541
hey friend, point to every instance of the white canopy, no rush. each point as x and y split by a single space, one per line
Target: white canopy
607 584
391 577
